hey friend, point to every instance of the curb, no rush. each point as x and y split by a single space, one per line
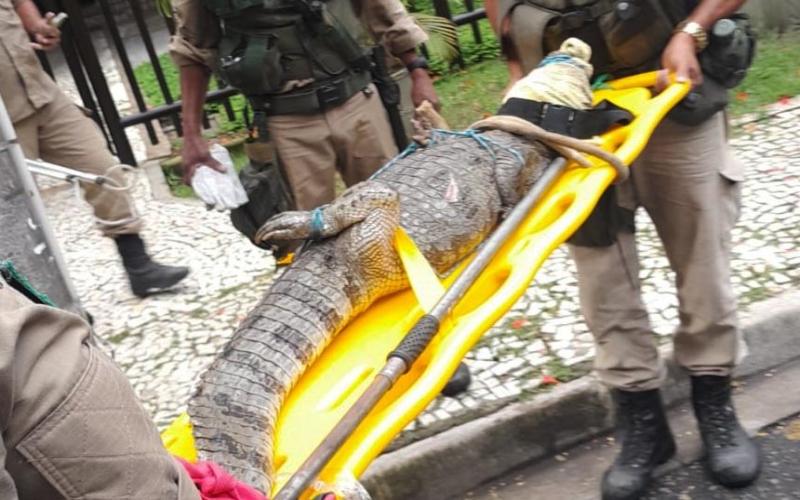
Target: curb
456 460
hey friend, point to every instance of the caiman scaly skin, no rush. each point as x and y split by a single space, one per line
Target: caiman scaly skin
447 197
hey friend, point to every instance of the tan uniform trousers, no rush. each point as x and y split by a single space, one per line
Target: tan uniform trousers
71 424
687 181
354 138
61 133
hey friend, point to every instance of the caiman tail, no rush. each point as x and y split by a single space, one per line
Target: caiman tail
235 407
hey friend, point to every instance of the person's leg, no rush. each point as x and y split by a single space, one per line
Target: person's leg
626 356
626 360
362 136
692 195
304 149
64 135
71 423
67 137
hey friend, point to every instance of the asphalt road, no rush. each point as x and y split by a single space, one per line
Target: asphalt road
769 408
779 480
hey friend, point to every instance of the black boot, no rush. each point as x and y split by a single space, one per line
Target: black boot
459 382
646 442
146 276
733 458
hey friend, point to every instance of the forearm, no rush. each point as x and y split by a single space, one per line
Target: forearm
194 83
710 11
490 6
29 14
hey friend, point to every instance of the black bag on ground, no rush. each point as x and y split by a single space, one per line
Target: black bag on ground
268 195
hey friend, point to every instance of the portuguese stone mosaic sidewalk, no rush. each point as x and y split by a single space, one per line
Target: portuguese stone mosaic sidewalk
164 342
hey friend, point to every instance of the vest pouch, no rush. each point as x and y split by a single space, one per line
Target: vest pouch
324 46
701 103
578 24
626 36
730 51
635 32
251 63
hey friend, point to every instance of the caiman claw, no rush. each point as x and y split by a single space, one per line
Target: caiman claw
294 225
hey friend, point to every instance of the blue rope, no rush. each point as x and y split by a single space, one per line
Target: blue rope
555 59
317 224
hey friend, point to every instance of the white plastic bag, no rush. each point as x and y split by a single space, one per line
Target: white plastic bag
221 191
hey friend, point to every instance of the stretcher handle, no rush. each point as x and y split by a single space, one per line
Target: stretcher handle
418 338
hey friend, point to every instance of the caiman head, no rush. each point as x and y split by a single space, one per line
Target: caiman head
561 78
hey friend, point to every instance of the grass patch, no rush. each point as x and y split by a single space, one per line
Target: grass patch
775 74
119 337
473 93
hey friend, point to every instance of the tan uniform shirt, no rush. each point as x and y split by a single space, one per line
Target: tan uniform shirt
24 86
198 34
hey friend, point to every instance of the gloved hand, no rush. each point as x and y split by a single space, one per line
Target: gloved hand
220 191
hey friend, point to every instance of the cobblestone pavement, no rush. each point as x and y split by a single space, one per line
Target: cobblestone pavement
164 342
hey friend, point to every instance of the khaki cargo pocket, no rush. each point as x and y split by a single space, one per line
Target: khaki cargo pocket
100 443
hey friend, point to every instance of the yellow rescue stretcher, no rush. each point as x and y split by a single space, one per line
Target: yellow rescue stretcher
346 367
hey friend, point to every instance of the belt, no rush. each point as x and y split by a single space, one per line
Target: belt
318 97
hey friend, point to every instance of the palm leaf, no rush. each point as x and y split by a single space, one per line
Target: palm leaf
164 7
442 35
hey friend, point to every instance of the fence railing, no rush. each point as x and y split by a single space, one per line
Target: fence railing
92 85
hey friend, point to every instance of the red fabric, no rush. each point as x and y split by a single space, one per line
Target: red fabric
214 483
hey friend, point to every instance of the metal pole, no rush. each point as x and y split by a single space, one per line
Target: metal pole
27 236
401 359
41 167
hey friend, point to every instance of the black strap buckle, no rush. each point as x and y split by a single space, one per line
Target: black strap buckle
330 94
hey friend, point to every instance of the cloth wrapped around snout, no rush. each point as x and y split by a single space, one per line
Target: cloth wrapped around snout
561 78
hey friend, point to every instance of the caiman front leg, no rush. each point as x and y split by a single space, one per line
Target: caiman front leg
352 207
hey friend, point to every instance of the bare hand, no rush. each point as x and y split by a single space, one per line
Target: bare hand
680 58
422 89
45 35
194 154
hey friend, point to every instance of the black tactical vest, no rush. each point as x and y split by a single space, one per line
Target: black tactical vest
269 45
626 36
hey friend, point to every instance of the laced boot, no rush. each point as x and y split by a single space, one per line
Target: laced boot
146 277
646 442
733 458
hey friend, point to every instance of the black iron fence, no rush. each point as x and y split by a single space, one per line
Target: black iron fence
86 66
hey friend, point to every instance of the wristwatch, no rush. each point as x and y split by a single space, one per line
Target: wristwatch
417 63
693 29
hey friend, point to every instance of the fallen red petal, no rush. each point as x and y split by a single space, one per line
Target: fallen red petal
549 380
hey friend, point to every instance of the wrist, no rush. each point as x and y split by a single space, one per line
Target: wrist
694 31
192 137
419 73
417 65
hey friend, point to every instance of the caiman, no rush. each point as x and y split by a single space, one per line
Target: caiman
448 197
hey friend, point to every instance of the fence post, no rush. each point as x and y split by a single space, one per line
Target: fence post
95 73
27 237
